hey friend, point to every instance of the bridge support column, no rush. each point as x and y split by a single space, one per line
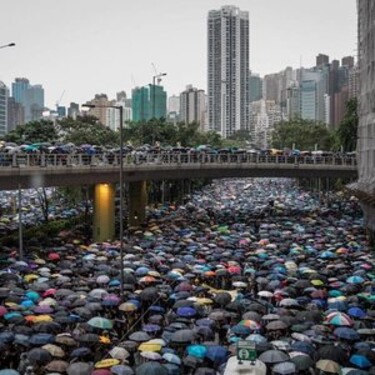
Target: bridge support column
137 202
104 212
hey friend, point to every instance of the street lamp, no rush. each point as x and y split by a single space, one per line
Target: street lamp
158 76
8 45
121 213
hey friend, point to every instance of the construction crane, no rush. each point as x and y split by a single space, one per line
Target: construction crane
59 101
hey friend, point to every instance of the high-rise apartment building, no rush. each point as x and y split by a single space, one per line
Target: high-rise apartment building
228 70
100 111
193 106
255 87
174 104
73 110
30 96
149 102
322 60
4 95
16 114
271 87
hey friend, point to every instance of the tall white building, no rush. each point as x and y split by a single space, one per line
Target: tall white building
4 95
193 106
113 115
228 70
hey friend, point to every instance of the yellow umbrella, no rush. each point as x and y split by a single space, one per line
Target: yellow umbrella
30 277
149 347
105 363
317 282
42 318
39 261
204 301
127 306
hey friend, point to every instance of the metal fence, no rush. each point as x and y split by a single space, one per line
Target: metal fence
84 160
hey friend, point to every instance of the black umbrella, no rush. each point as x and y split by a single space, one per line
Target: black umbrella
38 356
139 336
273 356
334 353
149 294
79 368
150 368
223 298
183 336
205 371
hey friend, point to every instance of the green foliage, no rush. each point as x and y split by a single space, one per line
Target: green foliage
86 130
347 131
304 134
33 132
188 135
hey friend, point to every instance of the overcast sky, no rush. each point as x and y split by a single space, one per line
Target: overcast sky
84 47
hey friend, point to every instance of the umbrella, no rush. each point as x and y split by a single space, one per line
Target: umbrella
273 356
360 361
54 350
153 356
79 368
284 368
172 358
333 352
139 336
151 368
302 362
57 366
198 351
99 322
187 312
217 354
80 352
119 353
39 356
346 333
106 363
122 370
183 336
328 366
276 325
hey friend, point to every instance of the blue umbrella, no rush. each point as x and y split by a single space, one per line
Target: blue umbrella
151 328
346 333
356 312
338 305
186 312
355 280
12 315
9 372
142 271
360 361
80 352
301 346
6 337
217 354
197 351
172 358
240 330
40 339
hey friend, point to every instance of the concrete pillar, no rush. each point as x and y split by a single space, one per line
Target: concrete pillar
137 203
104 212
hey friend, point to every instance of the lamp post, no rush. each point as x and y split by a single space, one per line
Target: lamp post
8 45
121 213
158 76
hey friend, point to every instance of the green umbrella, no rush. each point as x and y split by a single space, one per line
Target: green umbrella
99 322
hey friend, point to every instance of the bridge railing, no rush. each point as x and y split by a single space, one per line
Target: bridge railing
84 160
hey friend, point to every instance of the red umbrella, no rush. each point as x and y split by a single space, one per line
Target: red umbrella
3 310
234 270
53 256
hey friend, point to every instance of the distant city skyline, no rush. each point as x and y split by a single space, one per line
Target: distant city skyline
89 49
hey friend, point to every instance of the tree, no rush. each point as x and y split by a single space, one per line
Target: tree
33 132
86 130
303 134
347 131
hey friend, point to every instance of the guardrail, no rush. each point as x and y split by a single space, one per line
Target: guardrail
81 160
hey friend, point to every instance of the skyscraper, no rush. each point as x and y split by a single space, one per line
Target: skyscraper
228 70
16 114
4 94
322 60
193 106
148 102
30 96
255 87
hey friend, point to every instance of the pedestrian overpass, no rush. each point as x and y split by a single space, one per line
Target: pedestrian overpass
22 171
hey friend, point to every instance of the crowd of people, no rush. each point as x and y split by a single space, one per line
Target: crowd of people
249 260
